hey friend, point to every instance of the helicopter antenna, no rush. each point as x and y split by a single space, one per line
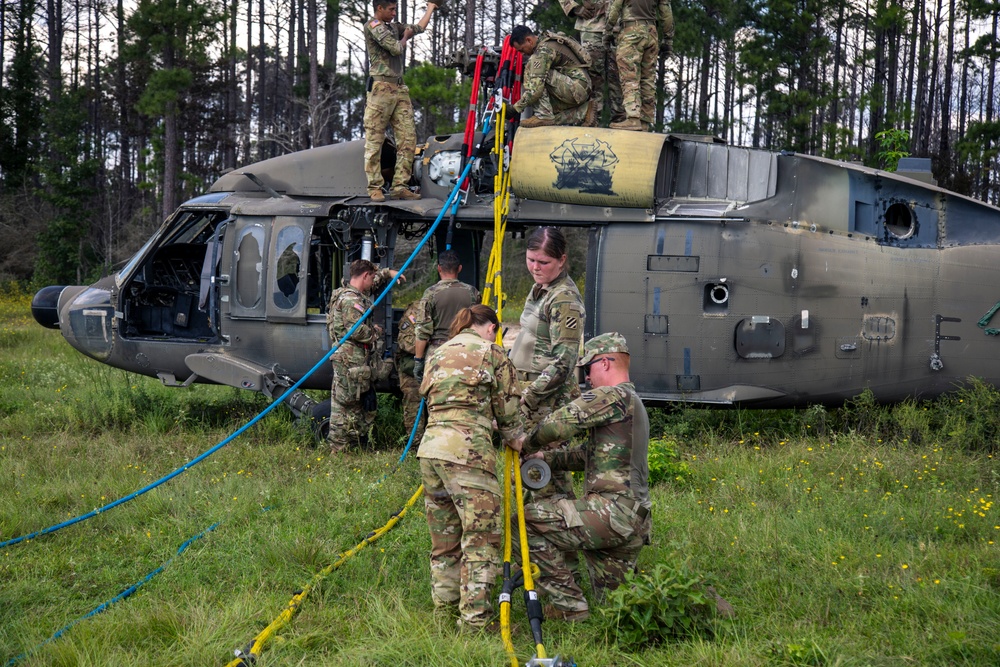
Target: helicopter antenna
262 185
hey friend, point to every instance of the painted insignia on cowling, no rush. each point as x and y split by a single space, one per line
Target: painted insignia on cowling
585 165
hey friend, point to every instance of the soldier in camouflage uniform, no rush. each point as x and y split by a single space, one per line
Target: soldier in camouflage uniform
591 22
358 362
638 49
546 350
556 78
388 102
468 384
408 384
611 522
439 304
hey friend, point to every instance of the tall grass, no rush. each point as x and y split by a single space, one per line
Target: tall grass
860 536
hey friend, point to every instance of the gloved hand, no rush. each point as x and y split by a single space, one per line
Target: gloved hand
418 369
586 11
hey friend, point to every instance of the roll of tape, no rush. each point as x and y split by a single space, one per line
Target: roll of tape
535 473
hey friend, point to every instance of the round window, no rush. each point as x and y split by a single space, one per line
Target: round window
900 221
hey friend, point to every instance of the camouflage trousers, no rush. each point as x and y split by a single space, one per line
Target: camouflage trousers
636 56
410 386
388 104
349 420
603 72
609 535
463 508
565 97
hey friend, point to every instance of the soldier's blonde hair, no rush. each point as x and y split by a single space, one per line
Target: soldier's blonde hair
476 315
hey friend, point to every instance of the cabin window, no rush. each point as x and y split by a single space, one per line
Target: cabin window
285 289
760 337
249 253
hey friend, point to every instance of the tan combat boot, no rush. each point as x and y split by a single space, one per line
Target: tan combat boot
376 196
535 121
404 193
628 124
590 120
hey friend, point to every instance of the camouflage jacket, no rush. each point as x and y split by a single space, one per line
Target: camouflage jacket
615 456
468 383
347 305
406 339
555 51
439 305
595 24
548 346
385 56
643 10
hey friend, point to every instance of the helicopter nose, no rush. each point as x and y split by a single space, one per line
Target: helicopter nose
45 306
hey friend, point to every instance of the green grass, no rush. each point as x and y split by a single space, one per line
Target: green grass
864 536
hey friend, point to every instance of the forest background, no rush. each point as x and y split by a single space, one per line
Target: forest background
113 112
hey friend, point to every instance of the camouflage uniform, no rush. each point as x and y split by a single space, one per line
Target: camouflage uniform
610 523
357 364
545 355
603 66
408 384
556 81
388 103
441 302
468 383
638 49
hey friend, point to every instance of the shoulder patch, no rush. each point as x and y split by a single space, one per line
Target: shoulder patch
412 319
373 23
357 306
571 322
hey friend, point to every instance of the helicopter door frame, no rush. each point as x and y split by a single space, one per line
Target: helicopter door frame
248 270
287 287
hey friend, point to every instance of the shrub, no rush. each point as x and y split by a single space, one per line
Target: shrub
665 462
668 602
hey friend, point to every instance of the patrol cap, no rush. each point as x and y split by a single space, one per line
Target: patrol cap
605 343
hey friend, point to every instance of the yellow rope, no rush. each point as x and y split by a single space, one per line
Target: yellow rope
257 646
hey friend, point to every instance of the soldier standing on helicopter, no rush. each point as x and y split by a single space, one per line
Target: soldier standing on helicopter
591 22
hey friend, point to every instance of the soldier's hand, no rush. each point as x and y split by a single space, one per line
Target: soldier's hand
517 444
400 278
586 11
418 369
436 4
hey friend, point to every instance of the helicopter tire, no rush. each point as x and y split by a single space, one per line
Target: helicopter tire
321 421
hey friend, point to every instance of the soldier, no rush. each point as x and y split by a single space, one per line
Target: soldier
611 522
591 22
548 346
404 359
556 81
638 48
439 304
358 362
469 383
388 102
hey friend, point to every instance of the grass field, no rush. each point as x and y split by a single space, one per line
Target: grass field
864 536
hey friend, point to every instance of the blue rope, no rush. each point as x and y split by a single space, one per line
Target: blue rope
265 411
413 435
121 596
413 431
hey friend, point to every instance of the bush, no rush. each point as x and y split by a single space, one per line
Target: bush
668 602
665 462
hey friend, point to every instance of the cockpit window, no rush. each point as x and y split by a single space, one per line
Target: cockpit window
289 262
249 252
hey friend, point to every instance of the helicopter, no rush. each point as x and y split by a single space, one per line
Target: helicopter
738 276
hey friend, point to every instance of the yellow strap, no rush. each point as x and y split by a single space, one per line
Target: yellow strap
257 646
